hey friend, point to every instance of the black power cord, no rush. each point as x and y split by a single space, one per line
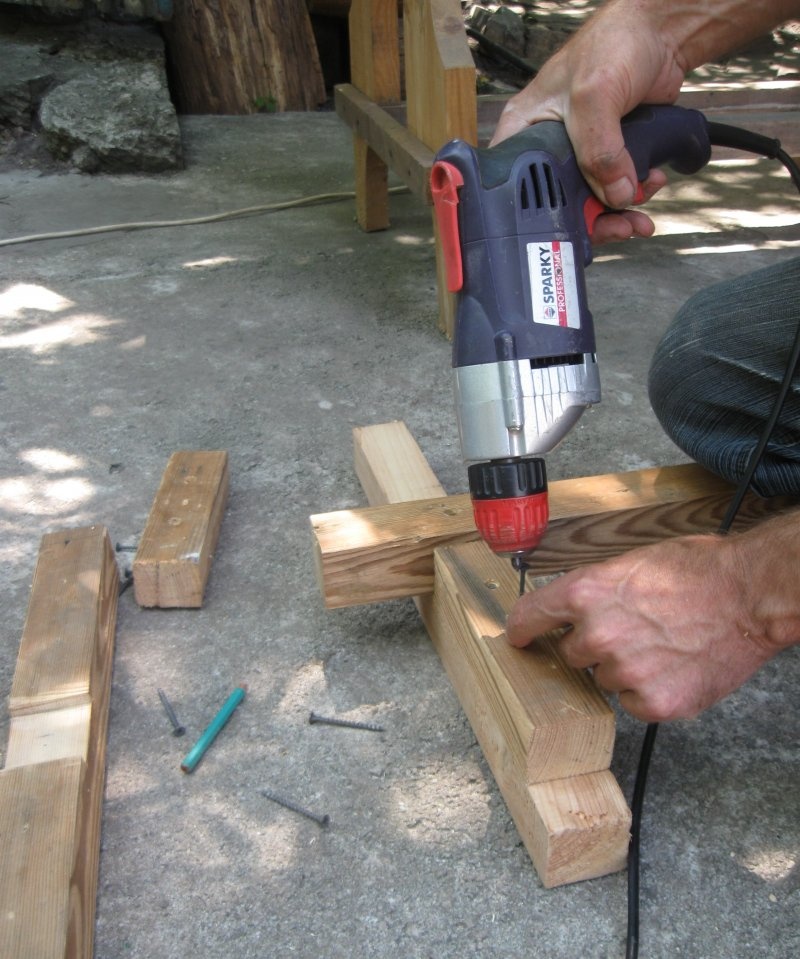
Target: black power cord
720 134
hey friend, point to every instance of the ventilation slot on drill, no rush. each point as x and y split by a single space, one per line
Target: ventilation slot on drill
540 189
571 359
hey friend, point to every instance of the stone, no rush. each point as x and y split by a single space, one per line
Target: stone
90 95
23 80
506 28
115 118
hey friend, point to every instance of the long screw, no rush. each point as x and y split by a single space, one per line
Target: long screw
177 728
348 723
288 804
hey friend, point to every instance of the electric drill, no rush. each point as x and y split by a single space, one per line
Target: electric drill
515 224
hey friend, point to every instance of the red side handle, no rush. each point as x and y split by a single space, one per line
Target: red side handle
593 207
445 181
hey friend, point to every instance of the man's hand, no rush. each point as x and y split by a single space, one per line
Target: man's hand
629 53
671 628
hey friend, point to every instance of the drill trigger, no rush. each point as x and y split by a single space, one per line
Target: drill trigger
592 208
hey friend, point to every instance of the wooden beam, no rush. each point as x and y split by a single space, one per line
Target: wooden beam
48 901
534 717
173 561
578 826
440 73
551 719
51 790
392 143
372 554
67 641
375 72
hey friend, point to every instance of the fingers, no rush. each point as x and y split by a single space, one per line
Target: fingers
527 620
613 227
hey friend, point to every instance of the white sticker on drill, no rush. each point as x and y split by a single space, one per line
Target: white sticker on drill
554 294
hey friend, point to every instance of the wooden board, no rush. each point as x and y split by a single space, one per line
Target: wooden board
375 73
46 912
173 561
372 554
440 73
51 790
550 719
390 141
578 827
67 640
533 716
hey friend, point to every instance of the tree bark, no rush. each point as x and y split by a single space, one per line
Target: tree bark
243 56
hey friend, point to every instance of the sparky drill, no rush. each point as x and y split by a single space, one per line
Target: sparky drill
515 224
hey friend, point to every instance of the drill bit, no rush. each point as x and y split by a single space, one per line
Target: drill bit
522 566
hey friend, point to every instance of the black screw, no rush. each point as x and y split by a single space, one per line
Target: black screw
177 729
349 723
288 804
123 548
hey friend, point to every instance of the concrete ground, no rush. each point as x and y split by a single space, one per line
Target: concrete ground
272 336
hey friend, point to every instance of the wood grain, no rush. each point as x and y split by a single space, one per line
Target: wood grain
173 561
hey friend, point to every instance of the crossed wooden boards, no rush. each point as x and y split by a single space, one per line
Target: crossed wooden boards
546 730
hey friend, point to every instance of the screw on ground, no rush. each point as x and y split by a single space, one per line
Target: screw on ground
301 810
347 723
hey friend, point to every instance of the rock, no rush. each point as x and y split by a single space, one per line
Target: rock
115 118
506 28
541 42
23 81
93 95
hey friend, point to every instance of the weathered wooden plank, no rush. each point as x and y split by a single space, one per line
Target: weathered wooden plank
173 561
67 640
51 790
372 554
47 884
440 73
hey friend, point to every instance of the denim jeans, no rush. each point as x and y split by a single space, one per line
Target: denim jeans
716 372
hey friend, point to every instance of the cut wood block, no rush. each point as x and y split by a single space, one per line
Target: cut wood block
390 465
67 641
47 884
385 552
173 561
581 828
532 715
549 719
535 718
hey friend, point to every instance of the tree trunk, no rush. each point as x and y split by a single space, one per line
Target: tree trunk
243 56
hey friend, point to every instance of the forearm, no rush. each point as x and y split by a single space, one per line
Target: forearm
704 30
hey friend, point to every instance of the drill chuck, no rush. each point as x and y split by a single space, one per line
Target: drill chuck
509 503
